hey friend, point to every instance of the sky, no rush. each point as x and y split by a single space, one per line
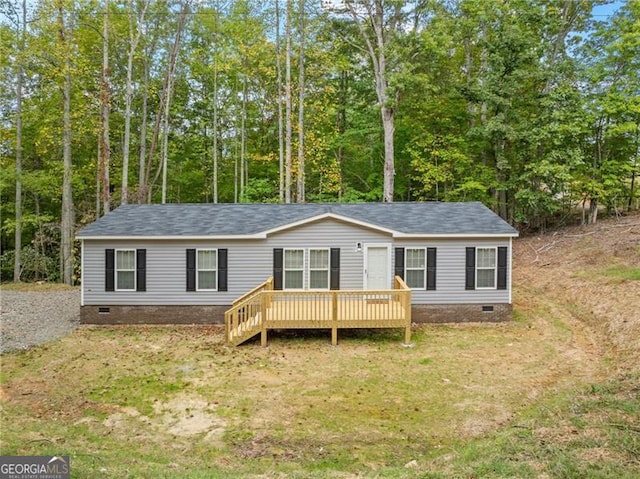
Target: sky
601 12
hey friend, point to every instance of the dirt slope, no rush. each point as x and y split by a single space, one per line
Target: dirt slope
593 272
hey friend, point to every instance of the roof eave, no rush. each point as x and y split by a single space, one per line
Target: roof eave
264 236
456 235
172 237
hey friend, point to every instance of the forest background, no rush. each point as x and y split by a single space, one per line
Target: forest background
530 106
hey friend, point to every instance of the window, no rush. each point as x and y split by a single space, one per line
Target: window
125 270
293 269
485 268
318 269
415 267
207 273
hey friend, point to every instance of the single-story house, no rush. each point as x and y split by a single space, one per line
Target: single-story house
189 263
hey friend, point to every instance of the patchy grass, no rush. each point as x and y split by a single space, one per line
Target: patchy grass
590 433
622 273
175 402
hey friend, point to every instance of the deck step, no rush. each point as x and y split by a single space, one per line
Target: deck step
246 331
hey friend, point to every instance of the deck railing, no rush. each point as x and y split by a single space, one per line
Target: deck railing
246 312
263 308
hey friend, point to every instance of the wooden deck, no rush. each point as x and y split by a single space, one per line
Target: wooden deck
263 308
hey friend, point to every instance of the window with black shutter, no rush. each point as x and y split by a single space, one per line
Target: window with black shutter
222 270
191 270
502 267
335 269
431 269
110 270
399 262
278 254
141 270
470 268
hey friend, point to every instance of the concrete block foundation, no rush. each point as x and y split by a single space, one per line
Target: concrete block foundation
461 313
420 313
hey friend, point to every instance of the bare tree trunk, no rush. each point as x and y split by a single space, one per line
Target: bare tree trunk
143 134
133 45
67 222
98 179
468 67
105 110
301 78
389 169
235 143
279 94
287 98
17 264
634 171
243 138
342 127
596 164
376 46
484 68
215 115
167 103
165 142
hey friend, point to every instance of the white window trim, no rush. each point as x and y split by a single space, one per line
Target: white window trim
309 269
116 269
215 252
424 274
284 268
495 267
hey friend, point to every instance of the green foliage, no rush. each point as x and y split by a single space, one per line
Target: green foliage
622 273
35 265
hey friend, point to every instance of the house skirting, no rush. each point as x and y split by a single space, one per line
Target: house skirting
109 314
460 313
420 313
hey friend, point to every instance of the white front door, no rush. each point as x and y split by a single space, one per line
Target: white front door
377 264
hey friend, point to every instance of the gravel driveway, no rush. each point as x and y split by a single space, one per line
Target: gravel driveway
31 318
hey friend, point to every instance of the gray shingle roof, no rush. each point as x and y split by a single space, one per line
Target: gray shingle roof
207 219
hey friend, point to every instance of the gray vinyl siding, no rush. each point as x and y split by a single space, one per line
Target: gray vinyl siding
450 272
250 262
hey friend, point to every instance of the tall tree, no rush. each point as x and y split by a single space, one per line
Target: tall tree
135 32
301 81
378 21
161 122
105 109
21 32
279 100
215 107
68 213
288 104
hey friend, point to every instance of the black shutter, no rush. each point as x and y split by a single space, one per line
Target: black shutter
141 270
431 269
191 270
399 266
470 281
502 267
277 268
109 270
335 269
222 270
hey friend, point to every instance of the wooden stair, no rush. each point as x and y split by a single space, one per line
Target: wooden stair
245 330
244 320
